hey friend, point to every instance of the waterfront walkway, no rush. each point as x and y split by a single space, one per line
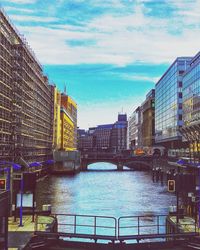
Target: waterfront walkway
19 236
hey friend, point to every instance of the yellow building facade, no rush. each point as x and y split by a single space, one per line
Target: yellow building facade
57 120
67 129
65 122
69 105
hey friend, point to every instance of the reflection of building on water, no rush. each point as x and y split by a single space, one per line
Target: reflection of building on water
66 162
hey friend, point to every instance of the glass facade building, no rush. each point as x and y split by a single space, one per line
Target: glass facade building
191 92
168 102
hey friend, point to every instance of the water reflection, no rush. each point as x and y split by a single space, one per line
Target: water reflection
109 193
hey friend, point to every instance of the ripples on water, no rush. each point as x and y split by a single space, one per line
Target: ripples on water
109 193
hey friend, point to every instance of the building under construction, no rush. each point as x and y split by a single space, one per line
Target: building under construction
26 100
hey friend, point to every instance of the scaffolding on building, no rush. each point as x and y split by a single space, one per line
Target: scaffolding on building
26 99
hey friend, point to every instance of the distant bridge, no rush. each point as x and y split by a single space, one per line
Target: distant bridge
133 162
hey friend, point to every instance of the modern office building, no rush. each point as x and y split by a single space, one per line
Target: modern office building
26 100
85 140
118 136
148 120
191 107
191 92
134 130
168 104
106 137
101 136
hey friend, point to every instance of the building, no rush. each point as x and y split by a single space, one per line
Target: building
67 127
134 130
69 105
118 136
168 105
85 140
6 142
148 120
64 121
191 107
26 100
106 137
101 137
57 120
191 92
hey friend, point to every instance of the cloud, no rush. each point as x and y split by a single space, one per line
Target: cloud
26 18
140 78
22 1
15 9
119 38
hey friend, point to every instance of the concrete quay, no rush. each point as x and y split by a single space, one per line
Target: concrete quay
19 236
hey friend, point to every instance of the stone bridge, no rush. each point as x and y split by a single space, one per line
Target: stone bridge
132 162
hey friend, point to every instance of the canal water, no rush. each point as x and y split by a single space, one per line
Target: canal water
104 191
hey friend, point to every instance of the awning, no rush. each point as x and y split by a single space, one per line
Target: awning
14 165
35 164
49 162
181 162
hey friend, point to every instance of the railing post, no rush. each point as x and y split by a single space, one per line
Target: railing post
95 224
158 224
138 225
74 224
117 227
36 223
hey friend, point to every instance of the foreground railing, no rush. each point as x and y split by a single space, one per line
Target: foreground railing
82 226
111 229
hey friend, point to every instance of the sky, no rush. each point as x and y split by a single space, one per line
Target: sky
108 53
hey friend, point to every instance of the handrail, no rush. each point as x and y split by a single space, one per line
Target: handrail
81 224
108 227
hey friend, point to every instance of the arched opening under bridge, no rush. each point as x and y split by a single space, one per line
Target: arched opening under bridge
105 166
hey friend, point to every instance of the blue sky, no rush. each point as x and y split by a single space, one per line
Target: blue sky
109 53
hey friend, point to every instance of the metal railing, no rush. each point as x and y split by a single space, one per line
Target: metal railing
83 226
141 225
110 228
152 226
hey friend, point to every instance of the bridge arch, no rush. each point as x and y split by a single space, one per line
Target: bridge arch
102 165
136 164
86 163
